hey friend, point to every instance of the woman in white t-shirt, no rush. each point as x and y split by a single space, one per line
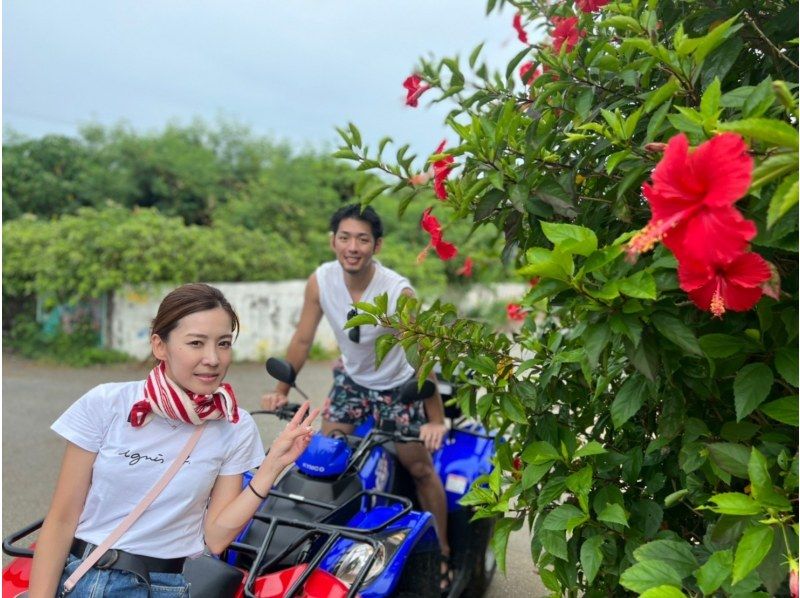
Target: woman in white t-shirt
121 437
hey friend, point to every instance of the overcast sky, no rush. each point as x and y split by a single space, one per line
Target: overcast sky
292 70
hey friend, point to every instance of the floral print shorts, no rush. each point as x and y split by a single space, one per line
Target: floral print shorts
351 403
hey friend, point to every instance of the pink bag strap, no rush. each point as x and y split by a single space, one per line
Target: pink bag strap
137 511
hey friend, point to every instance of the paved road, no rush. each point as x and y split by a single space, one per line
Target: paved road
35 395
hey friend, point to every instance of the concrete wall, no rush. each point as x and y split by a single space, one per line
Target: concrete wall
268 313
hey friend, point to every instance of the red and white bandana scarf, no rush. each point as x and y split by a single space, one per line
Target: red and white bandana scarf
165 398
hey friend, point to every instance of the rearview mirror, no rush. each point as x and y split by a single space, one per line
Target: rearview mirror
281 370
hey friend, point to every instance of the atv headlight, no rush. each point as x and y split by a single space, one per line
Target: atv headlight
357 556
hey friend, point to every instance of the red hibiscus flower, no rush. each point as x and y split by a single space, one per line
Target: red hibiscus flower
590 5
735 285
431 225
524 68
521 34
466 269
793 582
692 199
566 31
415 88
441 168
515 312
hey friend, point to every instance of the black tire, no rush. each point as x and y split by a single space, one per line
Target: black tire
420 578
479 558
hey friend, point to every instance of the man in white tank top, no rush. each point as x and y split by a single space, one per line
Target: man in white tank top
359 388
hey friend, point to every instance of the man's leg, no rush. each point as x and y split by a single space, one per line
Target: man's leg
346 406
417 460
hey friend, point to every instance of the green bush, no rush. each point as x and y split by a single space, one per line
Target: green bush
78 348
651 417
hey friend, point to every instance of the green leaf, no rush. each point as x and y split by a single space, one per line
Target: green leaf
513 409
734 503
751 550
761 485
641 285
554 542
751 386
768 130
539 453
712 39
383 345
580 482
569 238
534 473
677 332
783 410
714 571
649 574
483 364
591 557
360 320
546 288
356 134
629 400
676 554
473 57
730 457
773 168
564 517
662 94
595 340
590 448
613 160
718 345
502 530
783 200
786 364
613 513
547 264
622 22
759 100
709 103
663 592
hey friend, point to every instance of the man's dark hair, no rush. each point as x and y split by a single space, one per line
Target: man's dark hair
354 211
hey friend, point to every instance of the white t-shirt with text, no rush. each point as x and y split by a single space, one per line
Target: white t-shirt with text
131 460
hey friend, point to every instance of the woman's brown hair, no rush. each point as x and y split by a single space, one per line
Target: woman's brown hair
186 300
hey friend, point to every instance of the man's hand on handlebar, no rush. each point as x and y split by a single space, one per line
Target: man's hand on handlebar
273 400
432 435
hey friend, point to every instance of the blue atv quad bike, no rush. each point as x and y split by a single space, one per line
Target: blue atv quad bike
354 483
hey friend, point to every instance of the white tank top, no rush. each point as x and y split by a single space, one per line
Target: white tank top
359 358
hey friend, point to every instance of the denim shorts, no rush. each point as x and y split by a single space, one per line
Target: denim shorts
113 583
351 403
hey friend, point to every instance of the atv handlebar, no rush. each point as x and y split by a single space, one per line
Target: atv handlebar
285 412
11 539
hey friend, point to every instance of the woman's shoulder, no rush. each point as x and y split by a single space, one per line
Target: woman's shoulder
121 393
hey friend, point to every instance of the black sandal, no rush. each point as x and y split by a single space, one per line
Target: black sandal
445 575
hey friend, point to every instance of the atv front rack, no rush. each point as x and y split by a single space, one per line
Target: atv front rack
316 531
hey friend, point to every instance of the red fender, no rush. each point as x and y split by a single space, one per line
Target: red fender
320 584
16 577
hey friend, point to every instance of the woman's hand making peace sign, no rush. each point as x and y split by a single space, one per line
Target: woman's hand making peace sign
294 439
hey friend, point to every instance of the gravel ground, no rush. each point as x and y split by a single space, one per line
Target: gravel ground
34 395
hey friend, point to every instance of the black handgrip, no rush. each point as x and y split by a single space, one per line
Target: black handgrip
11 539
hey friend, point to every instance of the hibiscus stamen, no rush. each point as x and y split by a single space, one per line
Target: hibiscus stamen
423 254
644 240
717 303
